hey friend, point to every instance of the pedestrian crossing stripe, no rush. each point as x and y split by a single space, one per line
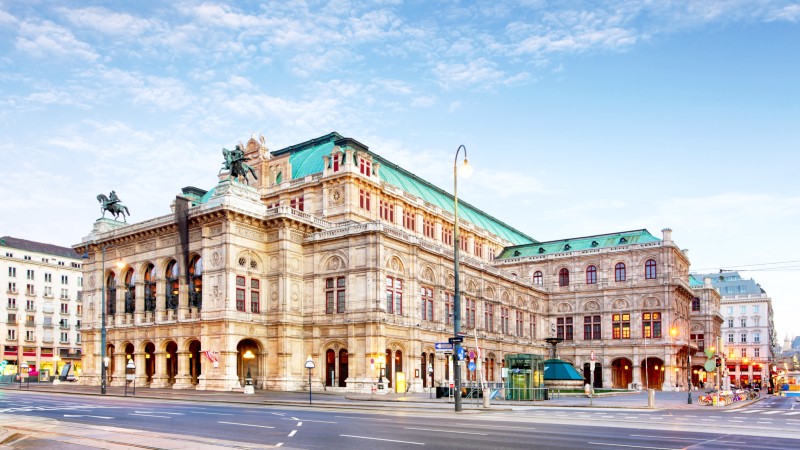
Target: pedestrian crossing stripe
772 412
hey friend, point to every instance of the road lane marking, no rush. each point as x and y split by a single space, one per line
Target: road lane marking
749 411
315 421
158 412
279 444
245 424
292 433
634 446
212 413
385 440
771 412
765 423
82 415
446 431
278 414
149 415
299 424
365 418
295 418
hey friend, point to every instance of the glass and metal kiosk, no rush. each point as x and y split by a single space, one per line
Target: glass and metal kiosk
525 377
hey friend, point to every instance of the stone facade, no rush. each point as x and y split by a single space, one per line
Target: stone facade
336 253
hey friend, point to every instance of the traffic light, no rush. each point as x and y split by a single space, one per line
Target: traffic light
719 362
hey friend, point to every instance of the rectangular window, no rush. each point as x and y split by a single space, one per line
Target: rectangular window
364 166
447 235
30 290
757 337
409 221
651 324
491 254
48 278
621 326
730 310
448 308
427 228
65 293
470 313
591 327
564 328
386 211
744 353
240 293
298 203
12 334
743 310
255 303
462 242
12 318
63 323
730 323
64 279
30 305
699 340
743 323
48 291
743 338
363 199
504 320
78 310
519 324
12 272
478 249
426 308
695 304
65 308
64 337
755 309
757 352
488 317
30 335
730 338
335 295
335 160
532 326
12 303
30 274
394 296
12 287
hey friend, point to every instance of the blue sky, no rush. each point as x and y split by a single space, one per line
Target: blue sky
580 117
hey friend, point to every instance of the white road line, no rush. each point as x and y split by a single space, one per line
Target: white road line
299 424
671 438
81 415
385 440
279 414
365 418
279 444
736 421
765 423
292 433
149 415
159 412
295 418
791 413
749 411
245 424
771 412
446 431
317 421
212 413
633 446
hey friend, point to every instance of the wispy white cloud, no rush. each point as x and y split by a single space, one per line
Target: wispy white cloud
46 38
108 22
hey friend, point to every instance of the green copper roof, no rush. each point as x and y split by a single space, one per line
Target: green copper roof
556 369
306 159
577 244
694 282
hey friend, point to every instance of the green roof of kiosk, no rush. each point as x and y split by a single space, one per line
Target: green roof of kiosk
306 159
577 244
556 369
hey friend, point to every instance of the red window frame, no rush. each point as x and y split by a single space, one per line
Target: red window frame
447 235
409 221
335 161
619 272
564 328
298 203
519 321
650 269
563 277
386 210
364 199
427 228
255 304
426 295
592 328
591 274
365 167
538 278
651 325
488 317
240 293
504 320
470 313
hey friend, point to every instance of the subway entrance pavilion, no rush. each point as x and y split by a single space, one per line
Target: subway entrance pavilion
337 253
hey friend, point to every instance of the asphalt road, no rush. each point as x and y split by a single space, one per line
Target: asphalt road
772 423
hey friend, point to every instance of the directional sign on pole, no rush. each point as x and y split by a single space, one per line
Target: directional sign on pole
461 353
453 340
471 366
443 347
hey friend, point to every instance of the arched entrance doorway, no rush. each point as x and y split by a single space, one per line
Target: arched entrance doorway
343 368
652 371
172 361
109 363
149 361
194 361
248 359
330 367
598 374
423 364
621 373
388 372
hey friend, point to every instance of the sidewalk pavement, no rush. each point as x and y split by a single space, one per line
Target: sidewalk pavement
331 398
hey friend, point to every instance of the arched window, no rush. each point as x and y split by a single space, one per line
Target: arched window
196 282
172 285
537 278
130 291
650 271
619 272
111 294
563 277
150 288
591 275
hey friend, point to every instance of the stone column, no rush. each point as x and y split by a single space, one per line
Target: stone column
139 360
138 314
183 380
118 377
160 375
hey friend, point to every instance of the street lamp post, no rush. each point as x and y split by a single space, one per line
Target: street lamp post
381 361
310 367
457 292
130 377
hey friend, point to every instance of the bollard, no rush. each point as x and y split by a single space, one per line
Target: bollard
651 398
486 397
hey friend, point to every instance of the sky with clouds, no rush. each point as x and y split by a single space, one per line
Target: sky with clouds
580 117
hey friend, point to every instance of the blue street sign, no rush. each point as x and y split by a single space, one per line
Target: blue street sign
443 346
461 353
471 366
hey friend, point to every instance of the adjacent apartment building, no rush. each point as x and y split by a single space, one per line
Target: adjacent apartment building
337 254
748 330
41 313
